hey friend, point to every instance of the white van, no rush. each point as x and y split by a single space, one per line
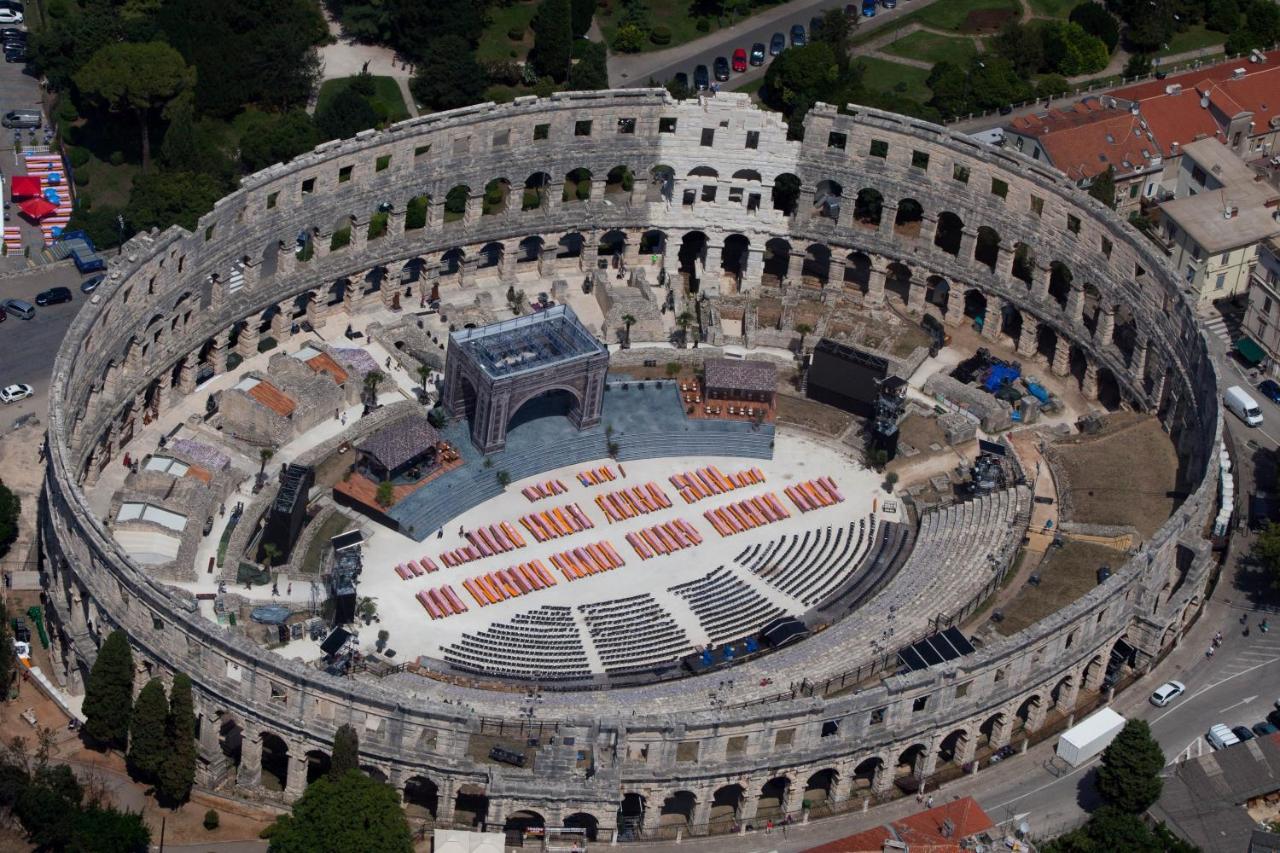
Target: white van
1221 737
1244 406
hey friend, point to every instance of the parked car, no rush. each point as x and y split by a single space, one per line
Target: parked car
20 308
16 53
797 36
777 44
721 68
757 53
53 296
852 10
1274 719
868 8
701 78
740 60
1220 737
89 285
14 393
10 16
1264 728
1167 692
1242 733
1270 389
889 4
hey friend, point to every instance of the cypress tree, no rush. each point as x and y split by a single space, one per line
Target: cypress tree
178 771
7 661
552 40
148 743
108 695
346 751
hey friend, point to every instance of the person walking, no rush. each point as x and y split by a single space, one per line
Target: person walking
1209 652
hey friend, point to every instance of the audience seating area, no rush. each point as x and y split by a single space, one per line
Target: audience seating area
812 566
441 602
544 643
814 494
597 476
556 522
485 542
501 584
538 491
662 539
633 501
726 605
746 515
634 633
705 482
588 560
416 568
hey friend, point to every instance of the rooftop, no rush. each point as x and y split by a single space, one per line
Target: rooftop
533 342
1239 214
268 395
321 362
400 441
1085 139
741 375
936 830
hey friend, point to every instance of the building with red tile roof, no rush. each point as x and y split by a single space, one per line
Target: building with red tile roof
937 830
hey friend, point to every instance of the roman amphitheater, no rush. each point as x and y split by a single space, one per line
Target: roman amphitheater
639 700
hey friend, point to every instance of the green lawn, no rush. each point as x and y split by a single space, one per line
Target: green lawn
934 48
1053 8
495 46
673 14
951 14
894 78
386 94
1195 38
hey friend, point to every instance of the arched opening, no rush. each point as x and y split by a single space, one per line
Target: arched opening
558 402
275 762
1109 392
826 200
975 304
612 244
786 193
415 212
630 816
820 789
577 185
1026 709
1078 363
451 261
520 823
455 203
677 809
1125 334
587 823
1011 323
377 774
897 281
421 798
530 250
733 257
270 259
619 180
1060 692
948 234
951 745
318 765
989 728
857 272
569 246
469 398
1024 263
725 803
773 797
1093 672
911 761
868 207
909 218
777 257
535 191
864 775
496 193
471 806
817 265
693 254
230 739
1092 306
747 175
1046 341
986 248
653 242
937 290
662 184
1059 283
490 256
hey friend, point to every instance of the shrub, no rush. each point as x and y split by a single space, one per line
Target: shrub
628 39
82 178
504 73
362 84
78 157
58 8
516 33
703 25
660 35
341 237
267 343
117 158
211 819
67 113
386 494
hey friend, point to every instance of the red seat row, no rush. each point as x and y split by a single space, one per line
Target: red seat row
485 542
637 500
416 568
501 584
441 602
596 476
588 560
538 491
705 482
664 539
814 494
556 522
746 515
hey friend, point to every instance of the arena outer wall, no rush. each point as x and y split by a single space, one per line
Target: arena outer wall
173 301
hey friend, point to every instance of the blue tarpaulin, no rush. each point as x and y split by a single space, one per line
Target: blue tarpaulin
270 614
999 376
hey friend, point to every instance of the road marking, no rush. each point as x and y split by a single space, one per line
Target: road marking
1237 704
1209 687
1087 764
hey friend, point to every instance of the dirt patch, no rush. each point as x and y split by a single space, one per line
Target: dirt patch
981 22
1136 445
1065 574
816 417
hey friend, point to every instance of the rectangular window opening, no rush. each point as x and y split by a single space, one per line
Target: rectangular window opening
837 140
708 137
879 148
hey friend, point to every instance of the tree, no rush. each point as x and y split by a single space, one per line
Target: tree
372 380
346 752
1069 50
271 551
1139 65
264 456
171 198
799 77
1129 775
994 82
386 494
950 86
269 139
1021 45
108 694
590 68
448 76
581 12
45 804
10 509
1103 187
1222 15
1266 552
835 30
1051 86
136 79
181 149
684 319
7 663
345 115
424 376
628 320
1097 21
552 39
148 746
178 771
352 812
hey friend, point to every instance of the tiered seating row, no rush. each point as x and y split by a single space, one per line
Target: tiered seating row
628 503
588 560
705 482
441 602
501 584
664 539
634 633
814 494
485 542
746 515
538 491
597 476
544 643
811 572
416 568
556 522
726 605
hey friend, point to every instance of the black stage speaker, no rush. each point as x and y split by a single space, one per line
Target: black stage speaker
845 377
